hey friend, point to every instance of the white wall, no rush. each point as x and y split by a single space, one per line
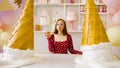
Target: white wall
41 44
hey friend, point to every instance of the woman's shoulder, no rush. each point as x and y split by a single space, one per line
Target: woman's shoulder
68 35
52 35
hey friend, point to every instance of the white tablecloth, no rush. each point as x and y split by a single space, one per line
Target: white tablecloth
51 61
62 61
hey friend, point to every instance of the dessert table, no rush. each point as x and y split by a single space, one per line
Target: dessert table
50 61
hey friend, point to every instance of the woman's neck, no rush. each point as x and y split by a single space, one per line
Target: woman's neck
60 33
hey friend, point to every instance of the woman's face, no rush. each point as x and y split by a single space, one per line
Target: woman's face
60 25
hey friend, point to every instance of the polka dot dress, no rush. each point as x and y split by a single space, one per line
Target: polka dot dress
62 47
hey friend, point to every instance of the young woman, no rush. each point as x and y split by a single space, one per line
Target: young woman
61 42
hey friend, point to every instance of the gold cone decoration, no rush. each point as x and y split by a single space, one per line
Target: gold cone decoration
93 30
5 6
18 2
23 37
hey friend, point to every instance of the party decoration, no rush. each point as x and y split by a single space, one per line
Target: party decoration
44 19
112 3
8 18
18 2
1 31
23 37
20 48
93 29
112 10
116 17
9 13
114 32
72 18
3 26
95 42
13 4
113 6
114 35
5 36
0 0
6 7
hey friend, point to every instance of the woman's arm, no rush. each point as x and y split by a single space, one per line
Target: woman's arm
70 46
51 44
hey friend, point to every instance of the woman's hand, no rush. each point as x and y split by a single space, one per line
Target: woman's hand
47 34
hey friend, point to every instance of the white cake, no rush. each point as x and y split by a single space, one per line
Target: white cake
99 53
71 16
20 48
16 54
96 47
18 57
97 56
44 20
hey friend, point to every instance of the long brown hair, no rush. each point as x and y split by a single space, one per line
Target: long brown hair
64 29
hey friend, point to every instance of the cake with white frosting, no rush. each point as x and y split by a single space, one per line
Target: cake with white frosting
71 16
20 48
45 19
96 47
17 54
101 52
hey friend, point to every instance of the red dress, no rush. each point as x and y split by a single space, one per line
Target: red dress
62 47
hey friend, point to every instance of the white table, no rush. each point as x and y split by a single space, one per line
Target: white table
62 61
52 61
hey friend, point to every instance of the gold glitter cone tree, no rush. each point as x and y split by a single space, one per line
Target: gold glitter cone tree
5 6
93 30
18 2
22 37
